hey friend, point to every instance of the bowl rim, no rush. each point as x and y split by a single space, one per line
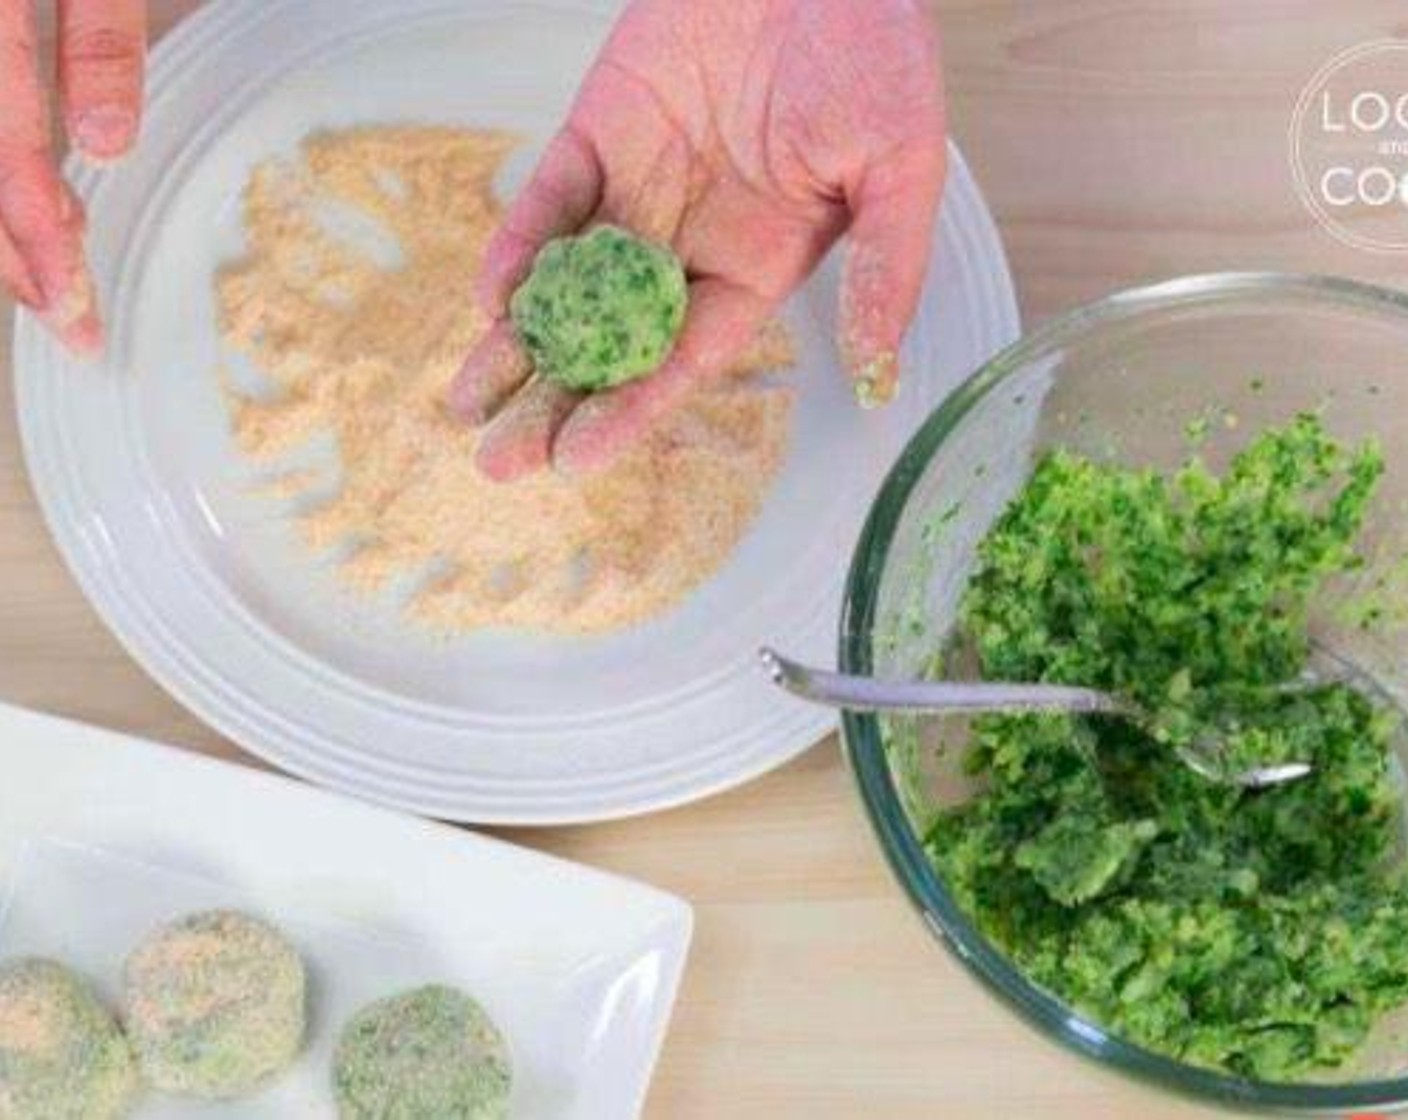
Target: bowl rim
864 749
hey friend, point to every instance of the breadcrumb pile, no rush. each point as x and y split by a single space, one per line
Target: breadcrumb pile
353 301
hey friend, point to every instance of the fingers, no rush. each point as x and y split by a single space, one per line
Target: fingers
74 319
22 132
543 423
14 274
41 240
71 211
519 441
102 55
563 193
723 320
893 210
42 252
490 375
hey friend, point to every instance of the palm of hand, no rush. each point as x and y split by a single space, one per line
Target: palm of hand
749 136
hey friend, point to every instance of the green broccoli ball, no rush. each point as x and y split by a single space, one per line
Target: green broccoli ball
215 1004
427 1054
62 1056
600 309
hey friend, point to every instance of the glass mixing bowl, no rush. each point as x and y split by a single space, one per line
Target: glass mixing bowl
1122 379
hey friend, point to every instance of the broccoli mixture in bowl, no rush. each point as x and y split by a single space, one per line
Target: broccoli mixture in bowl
1260 932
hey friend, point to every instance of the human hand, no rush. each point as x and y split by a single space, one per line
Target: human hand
102 46
749 135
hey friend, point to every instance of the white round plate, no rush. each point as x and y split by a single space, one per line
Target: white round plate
202 579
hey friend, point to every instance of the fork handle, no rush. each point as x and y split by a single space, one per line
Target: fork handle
869 694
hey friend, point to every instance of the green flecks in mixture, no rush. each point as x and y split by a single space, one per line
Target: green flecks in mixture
876 380
1259 932
1378 604
1075 859
62 1054
600 309
215 1004
427 1054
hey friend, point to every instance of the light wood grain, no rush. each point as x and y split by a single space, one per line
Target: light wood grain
1117 142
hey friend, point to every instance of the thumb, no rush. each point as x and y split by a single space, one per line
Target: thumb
560 197
892 222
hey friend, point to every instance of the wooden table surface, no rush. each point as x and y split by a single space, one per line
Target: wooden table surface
1117 141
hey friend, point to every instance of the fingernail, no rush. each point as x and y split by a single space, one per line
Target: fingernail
65 305
73 316
581 447
84 338
105 132
489 377
71 212
468 402
876 381
464 404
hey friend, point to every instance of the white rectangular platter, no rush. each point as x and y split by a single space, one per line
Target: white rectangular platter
102 837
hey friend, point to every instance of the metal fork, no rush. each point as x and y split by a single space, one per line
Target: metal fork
872 694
